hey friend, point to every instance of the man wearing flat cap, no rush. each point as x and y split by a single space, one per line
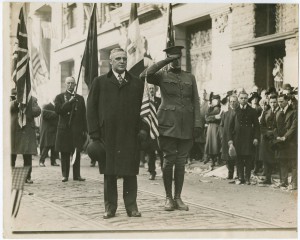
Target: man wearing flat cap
178 120
113 117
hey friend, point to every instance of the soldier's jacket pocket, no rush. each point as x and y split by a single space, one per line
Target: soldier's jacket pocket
166 115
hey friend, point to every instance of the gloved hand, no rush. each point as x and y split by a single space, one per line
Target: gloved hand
197 132
231 151
255 142
73 99
142 135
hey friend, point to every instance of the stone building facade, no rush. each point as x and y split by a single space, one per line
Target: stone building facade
226 45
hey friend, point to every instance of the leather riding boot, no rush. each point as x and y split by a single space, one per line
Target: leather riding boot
179 179
167 176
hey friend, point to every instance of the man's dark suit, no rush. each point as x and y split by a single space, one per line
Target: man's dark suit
70 137
49 122
113 114
243 130
286 153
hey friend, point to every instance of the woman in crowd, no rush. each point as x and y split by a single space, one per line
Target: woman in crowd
213 141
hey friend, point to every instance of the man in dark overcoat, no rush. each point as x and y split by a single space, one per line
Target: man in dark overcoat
113 116
226 120
286 133
49 122
178 120
244 133
267 126
23 139
70 133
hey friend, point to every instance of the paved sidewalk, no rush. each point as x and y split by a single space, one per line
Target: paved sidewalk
50 206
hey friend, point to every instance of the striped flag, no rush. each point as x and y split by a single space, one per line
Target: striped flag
36 64
148 112
134 47
19 175
170 33
90 56
21 73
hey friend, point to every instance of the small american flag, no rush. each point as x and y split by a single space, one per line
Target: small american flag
170 31
19 175
148 112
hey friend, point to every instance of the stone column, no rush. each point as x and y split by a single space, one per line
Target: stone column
243 29
290 66
221 53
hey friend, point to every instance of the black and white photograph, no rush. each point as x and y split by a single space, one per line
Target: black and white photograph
150 120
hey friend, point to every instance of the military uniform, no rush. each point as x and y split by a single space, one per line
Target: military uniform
178 115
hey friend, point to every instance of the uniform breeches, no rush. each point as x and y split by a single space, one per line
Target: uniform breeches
175 152
27 162
65 164
111 193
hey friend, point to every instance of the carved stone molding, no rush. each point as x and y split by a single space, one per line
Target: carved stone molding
220 19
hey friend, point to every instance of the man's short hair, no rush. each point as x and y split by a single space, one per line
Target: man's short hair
233 96
273 96
70 77
115 50
242 92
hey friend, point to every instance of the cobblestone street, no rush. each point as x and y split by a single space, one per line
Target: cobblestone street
49 205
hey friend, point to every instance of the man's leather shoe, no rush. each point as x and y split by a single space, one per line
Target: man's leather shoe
64 179
152 176
134 213
108 215
169 205
42 164
283 185
247 183
180 205
29 181
55 164
79 179
266 181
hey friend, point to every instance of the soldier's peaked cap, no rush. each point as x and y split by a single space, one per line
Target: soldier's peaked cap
174 50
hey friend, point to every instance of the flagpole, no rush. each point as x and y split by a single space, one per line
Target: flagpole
74 106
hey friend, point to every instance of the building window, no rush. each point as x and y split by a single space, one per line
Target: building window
70 13
265 19
269 65
67 70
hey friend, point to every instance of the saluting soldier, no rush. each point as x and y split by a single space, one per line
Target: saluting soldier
70 134
178 116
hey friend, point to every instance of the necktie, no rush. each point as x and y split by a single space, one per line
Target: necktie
120 79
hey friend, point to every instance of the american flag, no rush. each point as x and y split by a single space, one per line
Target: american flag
170 33
21 73
19 175
148 112
36 64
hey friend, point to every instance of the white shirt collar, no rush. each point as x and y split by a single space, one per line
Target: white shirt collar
286 107
117 75
243 107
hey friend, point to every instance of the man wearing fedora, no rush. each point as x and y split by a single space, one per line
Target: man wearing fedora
113 116
178 120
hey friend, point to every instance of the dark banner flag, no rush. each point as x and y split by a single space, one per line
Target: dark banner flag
21 73
90 56
170 33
